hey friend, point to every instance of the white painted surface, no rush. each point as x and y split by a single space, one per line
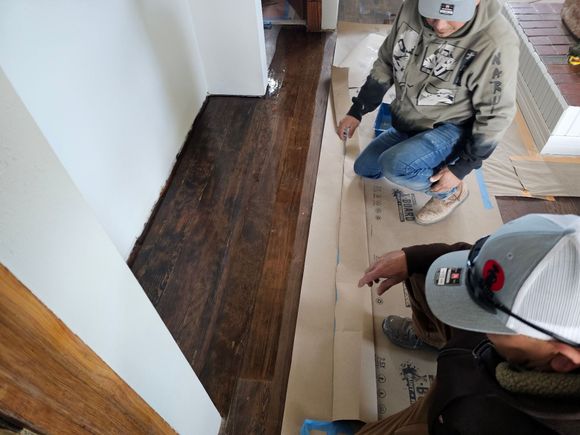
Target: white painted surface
565 139
329 14
51 240
569 123
114 86
231 41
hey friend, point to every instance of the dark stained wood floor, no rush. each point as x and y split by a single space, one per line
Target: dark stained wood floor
222 258
513 207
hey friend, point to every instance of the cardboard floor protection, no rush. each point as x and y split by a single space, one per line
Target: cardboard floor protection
354 396
349 35
549 175
310 384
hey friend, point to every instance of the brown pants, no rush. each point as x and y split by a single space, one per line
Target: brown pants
413 420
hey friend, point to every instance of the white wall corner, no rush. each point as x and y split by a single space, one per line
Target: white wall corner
329 14
115 106
232 45
52 242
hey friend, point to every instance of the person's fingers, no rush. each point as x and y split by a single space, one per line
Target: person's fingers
371 275
351 130
436 187
365 280
385 285
342 127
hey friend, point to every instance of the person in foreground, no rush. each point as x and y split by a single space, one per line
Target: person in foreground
454 65
504 314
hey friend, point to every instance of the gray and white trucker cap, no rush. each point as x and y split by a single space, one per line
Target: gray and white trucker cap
451 10
537 260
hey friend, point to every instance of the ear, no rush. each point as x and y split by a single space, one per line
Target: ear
567 358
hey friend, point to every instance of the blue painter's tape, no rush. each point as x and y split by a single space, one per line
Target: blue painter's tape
329 427
483 189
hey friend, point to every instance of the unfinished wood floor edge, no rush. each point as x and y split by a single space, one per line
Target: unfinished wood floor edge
75 391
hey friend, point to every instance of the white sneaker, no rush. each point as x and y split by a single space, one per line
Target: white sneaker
438 209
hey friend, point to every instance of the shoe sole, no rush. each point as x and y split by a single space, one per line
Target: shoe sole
447 215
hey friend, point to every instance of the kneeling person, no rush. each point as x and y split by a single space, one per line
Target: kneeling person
454 66
505 315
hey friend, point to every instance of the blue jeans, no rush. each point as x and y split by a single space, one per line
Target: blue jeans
410 160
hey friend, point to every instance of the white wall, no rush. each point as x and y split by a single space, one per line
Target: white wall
114 86
231 41
53 243
329 14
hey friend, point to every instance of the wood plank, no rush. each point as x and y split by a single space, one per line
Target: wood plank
279 383
263 337
155 262
273 124
263 414
514 207
52 382
314 15
249 409
226 333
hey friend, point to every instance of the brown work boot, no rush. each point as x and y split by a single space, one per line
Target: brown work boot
438 209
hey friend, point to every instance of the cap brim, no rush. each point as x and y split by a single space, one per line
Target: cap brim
453 305
462 10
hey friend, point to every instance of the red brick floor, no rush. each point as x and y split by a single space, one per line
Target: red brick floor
542 24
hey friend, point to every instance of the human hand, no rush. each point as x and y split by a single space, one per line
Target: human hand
391 268
349 123
444 180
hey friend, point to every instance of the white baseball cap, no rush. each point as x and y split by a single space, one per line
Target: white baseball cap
451 10
523 279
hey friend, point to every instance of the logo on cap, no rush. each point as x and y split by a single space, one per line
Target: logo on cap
493 275
446 9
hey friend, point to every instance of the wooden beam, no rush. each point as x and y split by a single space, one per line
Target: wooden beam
314 15
52 382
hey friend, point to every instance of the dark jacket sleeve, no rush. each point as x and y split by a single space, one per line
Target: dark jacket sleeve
493 87
368 99
420 257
